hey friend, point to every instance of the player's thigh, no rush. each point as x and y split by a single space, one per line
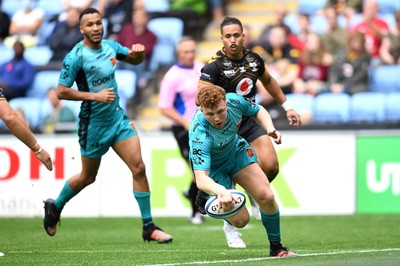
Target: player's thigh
129 151
254 181
267 158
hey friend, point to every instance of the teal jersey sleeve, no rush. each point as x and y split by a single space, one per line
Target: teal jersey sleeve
71 65
121 51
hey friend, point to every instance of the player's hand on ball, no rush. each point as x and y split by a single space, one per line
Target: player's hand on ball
106 96
226 201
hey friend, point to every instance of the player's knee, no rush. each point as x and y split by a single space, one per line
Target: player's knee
139 170
90 180
267 200
271 170
240 223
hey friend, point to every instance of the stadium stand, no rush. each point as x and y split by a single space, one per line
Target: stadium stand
126 86
368 107
156 6
169 31
43 81
31 107
392 107
385 78
331 108
38 55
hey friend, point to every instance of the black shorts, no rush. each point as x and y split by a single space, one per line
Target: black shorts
182 138
250 129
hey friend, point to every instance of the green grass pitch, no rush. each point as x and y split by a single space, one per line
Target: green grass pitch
319 240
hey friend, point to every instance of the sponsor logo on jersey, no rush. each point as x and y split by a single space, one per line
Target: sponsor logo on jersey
229 73
244 86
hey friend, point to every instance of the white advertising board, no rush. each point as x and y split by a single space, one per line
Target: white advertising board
317 176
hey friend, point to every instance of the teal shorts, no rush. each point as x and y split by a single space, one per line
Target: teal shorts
222 171
100 138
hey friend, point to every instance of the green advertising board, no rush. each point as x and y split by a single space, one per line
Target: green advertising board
378 174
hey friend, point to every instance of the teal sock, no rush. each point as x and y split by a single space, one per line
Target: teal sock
271 223
143 199
65 195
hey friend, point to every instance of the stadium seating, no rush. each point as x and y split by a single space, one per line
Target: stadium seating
301 102
388 6
43 81
169 31
331 108
368 107
385 78
51 8
10 7
31 107
156 6
38 55
126 80
310 7
6 54
392 107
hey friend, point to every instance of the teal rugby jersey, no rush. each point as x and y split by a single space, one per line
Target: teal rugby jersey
94 71
208 142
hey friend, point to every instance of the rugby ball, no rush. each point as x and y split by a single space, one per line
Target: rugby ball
212 205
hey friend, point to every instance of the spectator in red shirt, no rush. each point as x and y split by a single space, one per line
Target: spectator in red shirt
133 32
373 28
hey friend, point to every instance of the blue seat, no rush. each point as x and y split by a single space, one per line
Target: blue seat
6 54
38 55
51 8
168 31
292 21
319 24
368 107
385 78
156 6
301 102
388 6
10 6
31 108
392 106
126 80
331 108
310 7
43 81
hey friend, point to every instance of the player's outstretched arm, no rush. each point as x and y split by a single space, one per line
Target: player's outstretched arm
209 186
276 92
265 120
19 128
136 54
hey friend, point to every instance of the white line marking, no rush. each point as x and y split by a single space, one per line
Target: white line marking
203 262
271 258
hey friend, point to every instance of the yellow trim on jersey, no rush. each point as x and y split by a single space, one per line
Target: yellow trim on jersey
205 82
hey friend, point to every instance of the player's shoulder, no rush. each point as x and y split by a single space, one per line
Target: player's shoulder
216 57
233 98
